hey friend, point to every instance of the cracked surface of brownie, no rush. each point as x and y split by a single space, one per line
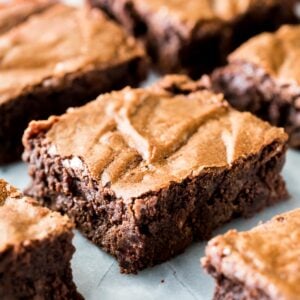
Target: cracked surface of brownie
35 250
15 12
79 54
261 263
159 168
262 77
195 36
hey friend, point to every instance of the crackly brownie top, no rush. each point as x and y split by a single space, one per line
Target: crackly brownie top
23 220
277 53
193 11
139 140
16 11
266 257
60 41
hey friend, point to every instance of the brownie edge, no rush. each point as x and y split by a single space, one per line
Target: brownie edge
194 41
101 57
35 250
261 263
143 223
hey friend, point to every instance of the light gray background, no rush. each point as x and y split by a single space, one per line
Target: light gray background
97 274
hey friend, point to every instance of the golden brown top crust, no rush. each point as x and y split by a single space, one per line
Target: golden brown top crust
23 220
277 53
194 11
60 41
16 11
266 257
140 140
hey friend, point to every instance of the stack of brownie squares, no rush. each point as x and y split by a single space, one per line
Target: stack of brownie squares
143 172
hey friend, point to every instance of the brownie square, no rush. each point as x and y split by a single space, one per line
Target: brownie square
15 12
262 77
194 36
144 172
60 58
260 264
35 250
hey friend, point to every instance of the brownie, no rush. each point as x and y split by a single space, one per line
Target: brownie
60 58
262 77
260 264
35 250
15 12
144 172
194 36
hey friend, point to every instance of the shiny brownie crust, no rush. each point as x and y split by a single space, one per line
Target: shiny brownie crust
206 45
17 12
54 96
197 205
249 88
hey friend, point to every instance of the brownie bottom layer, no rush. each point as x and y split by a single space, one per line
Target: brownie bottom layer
152 229
249 88
39 270
53 98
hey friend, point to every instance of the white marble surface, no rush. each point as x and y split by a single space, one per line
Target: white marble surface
97 274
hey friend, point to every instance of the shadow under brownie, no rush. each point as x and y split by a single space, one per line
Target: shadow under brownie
35 250
195 36
263 77
260 264
145 172
61 58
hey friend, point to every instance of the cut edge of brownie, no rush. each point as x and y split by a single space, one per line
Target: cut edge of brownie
249 88
54 96
172 48
181 49
156 226
40 268
256 264
37 267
